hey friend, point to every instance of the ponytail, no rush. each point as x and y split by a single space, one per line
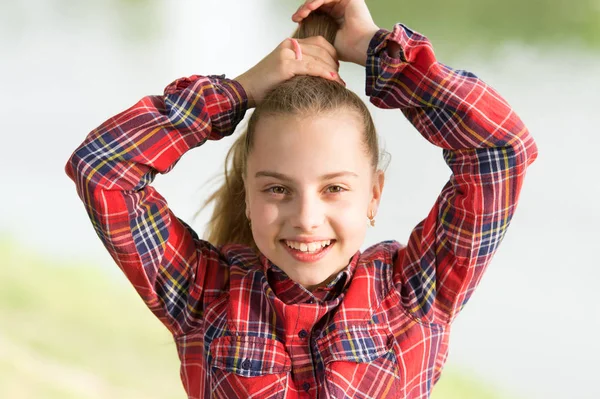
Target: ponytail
228 223
317 23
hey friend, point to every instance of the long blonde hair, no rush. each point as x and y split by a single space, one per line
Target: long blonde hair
303 95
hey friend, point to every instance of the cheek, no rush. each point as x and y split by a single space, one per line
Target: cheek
349 215
265 214
264 226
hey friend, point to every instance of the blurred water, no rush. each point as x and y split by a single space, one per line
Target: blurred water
531 327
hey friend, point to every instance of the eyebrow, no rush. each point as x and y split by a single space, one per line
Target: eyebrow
281 176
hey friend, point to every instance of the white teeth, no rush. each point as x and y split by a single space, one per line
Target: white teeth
310 247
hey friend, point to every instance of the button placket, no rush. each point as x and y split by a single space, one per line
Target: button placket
300 320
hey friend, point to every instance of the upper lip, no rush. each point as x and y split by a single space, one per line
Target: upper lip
308 240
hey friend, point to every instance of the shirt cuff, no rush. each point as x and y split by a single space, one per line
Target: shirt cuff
231 88
234 91
380 62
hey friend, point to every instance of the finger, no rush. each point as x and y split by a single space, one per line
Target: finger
297 48
306 8
310 51
313 67
314 47
320 54
329 64
321 42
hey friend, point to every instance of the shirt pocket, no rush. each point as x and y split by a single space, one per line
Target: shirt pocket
242 366
359 363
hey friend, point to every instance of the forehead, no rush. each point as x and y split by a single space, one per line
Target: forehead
309 146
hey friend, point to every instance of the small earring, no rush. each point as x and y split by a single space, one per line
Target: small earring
371 218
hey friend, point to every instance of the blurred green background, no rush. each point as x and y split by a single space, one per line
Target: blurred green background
454 25
72 327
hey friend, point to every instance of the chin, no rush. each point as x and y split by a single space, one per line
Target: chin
312 278
314 274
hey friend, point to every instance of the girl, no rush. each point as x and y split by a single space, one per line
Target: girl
280 302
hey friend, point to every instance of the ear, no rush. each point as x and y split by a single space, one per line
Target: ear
377 190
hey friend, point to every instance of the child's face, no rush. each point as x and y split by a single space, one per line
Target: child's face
310 182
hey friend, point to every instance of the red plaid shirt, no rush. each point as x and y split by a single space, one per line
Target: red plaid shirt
241 326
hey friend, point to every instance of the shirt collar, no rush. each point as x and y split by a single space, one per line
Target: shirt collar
291 292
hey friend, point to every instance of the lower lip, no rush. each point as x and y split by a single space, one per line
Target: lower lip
308 257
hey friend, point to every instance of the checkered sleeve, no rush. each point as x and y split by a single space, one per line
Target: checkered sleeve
486 146
172 270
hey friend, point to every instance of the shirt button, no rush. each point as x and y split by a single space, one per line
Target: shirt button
306 386
302 333
246 364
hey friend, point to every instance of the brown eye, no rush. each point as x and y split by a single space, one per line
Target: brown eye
277 190
335 189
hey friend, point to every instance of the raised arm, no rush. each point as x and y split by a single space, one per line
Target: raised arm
488 149
173 271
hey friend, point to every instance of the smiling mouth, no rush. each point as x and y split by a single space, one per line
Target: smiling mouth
310 247
308 252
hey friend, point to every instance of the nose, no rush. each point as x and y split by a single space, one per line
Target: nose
309 212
